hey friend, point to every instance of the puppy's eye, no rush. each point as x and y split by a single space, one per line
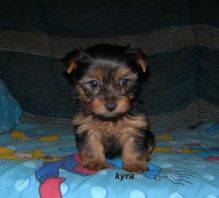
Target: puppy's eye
94 83
123 82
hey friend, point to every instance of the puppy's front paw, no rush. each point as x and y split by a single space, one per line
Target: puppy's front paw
135 167
95 165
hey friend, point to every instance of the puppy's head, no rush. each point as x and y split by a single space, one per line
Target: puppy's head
106 77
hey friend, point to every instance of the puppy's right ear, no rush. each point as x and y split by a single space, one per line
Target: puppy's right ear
72 59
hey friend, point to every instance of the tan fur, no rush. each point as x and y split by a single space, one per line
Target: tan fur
132 160
97 73
143 64
71 66
81 93
121 73
124 131
126 125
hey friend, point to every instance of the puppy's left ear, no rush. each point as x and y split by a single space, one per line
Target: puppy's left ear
138 56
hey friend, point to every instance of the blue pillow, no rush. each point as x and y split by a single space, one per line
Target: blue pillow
10 110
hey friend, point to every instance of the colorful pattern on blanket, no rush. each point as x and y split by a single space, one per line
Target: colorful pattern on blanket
41 160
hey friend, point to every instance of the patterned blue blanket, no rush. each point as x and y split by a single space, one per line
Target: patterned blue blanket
39 159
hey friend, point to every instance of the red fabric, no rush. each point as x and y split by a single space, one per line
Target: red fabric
50 188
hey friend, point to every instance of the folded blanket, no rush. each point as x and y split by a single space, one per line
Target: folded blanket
10 110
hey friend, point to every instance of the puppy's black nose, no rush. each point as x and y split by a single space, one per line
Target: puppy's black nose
110 106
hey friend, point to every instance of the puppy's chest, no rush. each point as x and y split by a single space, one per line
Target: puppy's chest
109 129
111 137
114 131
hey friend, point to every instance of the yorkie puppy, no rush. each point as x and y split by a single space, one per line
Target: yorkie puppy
108 120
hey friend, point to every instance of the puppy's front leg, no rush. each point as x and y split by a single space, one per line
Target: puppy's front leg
92 152
137 150
133 160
